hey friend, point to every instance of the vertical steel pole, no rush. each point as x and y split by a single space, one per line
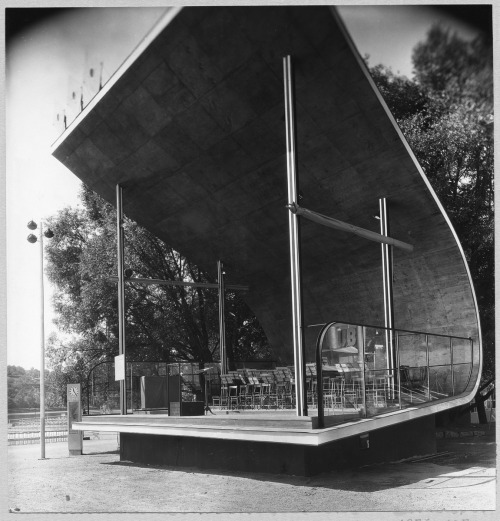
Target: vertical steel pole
363 373
88 393
180 390
319 373
471 359
452 369
42 351
428 369
222 319
398 362
121 293
293 226
387 271
131 390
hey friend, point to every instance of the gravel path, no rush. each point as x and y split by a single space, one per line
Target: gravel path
98 482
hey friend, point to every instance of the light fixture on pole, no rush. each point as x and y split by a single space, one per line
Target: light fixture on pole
32 238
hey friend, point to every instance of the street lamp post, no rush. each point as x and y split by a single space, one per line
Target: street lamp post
32 238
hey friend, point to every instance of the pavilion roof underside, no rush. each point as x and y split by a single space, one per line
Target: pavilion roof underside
194 131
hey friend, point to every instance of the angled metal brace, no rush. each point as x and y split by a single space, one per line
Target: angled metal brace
330 222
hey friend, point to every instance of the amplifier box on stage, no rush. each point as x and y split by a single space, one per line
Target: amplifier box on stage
154 392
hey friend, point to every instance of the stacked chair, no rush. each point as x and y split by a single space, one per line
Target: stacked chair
352 393
334 396
267 387
281 388
259 389
312 383
233 397
222 401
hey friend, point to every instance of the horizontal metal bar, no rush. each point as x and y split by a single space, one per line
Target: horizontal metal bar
209 285
347 322
330 222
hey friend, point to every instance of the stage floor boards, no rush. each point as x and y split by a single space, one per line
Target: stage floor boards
234 419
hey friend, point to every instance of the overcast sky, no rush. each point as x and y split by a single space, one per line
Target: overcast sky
49 62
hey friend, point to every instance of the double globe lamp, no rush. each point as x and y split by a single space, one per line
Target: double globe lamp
32 238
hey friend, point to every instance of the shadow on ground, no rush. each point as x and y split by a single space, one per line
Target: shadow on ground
101 453
449 465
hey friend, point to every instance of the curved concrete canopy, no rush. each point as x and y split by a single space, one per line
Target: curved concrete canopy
193 129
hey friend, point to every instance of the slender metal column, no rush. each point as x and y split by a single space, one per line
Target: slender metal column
222 319
319 373
428 370
293 226
363 373
180 390
471 359
452 369
42 351
131 389
398 361
121 293
387 271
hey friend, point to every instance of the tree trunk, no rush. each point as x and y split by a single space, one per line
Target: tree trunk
481 411
479 400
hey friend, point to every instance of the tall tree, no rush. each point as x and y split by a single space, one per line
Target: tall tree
163 322
23 388
446 115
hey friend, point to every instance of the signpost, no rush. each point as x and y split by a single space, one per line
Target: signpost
75 438
119 368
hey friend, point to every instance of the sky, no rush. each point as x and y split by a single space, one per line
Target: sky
48 63
44 67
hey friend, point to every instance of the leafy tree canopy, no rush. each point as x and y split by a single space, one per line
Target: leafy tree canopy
23 389
446 115
163 323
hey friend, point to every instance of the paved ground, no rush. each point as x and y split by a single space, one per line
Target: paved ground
462 478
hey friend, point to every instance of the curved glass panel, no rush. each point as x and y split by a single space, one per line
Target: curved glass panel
461 377
365 371
368 371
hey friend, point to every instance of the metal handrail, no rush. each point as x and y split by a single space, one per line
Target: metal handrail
319 363
388 328
319 373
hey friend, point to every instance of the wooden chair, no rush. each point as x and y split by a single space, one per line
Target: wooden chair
221 400
226 382
333 395
337 392
234 399
266 386
256 392
351 393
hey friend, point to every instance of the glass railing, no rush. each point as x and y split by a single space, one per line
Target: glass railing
366 371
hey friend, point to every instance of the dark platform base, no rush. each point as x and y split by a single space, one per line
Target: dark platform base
187 409
150 411
416 437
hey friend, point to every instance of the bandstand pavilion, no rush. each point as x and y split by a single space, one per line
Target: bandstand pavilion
255 136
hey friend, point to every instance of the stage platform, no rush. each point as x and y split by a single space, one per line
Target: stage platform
266 441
